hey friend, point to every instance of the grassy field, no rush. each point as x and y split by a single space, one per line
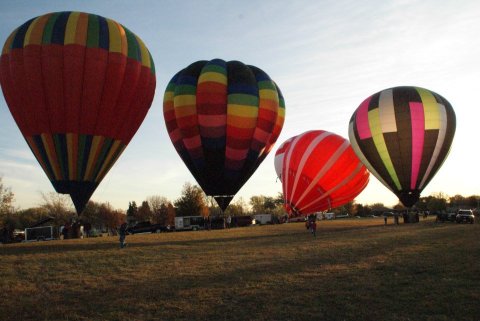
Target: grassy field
354 269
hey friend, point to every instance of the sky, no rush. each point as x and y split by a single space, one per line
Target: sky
326 56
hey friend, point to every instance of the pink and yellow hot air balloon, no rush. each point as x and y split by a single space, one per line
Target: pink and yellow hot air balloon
403 136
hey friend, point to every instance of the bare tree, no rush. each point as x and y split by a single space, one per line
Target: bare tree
159 206
6 199
112 218
58 206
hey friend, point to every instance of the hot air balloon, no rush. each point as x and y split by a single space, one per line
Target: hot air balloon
319 171
78 86
403 135
223 119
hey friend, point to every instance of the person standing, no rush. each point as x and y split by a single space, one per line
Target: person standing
122 232
313 227
229 221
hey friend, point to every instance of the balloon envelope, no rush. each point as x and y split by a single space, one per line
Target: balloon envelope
319 171
403 136
223 119
78 86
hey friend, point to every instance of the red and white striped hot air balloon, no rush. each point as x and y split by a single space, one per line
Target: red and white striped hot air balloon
319 171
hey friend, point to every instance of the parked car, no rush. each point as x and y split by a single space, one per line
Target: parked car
465 216
147 227
442 217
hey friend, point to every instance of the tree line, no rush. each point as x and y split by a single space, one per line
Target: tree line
192 201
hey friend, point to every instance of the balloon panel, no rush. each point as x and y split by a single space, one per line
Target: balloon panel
403 135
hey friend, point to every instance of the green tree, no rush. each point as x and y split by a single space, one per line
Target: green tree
473 201
191 202
28 217
144 212
349 207
436 204
93 214
269 204
132 210
363 210
258 204
458 201
237 208
279 199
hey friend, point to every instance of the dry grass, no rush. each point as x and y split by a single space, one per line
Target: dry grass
352 270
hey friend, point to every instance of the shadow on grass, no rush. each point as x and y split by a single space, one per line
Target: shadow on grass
112 242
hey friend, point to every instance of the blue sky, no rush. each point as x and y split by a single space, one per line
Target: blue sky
326 56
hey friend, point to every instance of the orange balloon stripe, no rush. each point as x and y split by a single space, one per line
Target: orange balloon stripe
93 156
72 142
81 29
35 31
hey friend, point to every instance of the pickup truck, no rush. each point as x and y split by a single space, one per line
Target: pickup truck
147 227
465 216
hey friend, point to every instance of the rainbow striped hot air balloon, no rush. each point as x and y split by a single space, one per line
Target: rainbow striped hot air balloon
223 119
78 86
403 136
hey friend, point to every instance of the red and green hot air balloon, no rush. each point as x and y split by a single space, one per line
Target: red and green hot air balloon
78 86
403 136
223 119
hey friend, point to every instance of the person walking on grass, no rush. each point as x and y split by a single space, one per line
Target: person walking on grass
123 234
313 228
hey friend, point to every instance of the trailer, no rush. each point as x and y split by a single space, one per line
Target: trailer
263 219
192 223
40 233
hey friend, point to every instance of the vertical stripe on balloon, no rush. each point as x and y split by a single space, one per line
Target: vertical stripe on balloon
431 109
377 135
305 157
387 112
115 37
326 167
48 30
363 126
360 155
418 132
439 144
